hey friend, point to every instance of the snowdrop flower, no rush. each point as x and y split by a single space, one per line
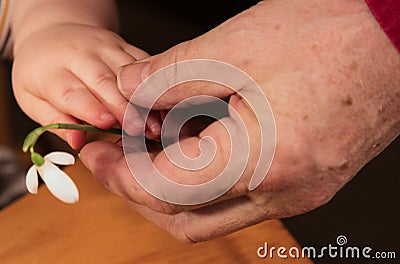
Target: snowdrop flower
57 181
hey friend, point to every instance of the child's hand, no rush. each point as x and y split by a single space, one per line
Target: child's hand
67 73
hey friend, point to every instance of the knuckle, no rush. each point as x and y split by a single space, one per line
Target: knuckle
166 208
105 36
172 77
180 52
104 79
177 227
68 94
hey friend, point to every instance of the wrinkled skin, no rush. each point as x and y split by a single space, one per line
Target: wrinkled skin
335 100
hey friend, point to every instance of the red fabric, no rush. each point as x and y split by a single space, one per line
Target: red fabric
387 12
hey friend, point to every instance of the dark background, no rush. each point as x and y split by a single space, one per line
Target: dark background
365 210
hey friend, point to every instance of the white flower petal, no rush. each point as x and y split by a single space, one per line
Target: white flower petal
31 180
58 183
60 157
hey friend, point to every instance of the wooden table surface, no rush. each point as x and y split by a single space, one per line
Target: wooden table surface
103 229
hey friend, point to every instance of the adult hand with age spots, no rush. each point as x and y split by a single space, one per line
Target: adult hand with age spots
335 101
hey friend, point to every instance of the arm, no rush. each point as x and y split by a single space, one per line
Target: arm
30 16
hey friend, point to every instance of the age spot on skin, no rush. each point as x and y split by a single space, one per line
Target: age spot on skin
376 145
277 27
343 166
353 66
348 101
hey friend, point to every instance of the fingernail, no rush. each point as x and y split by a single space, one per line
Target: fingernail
134 127
155 129
130 76
106 116
133 122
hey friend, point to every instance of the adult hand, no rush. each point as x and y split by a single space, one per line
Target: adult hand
335 101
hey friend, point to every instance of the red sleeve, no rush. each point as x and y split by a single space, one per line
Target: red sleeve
387 12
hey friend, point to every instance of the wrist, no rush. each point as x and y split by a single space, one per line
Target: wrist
34 16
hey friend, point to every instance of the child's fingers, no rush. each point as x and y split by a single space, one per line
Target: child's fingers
138 54
70 96
44 113
153 125
133 123
115 58
102 83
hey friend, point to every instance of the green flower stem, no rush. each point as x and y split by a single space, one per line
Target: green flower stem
118 131
34 135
